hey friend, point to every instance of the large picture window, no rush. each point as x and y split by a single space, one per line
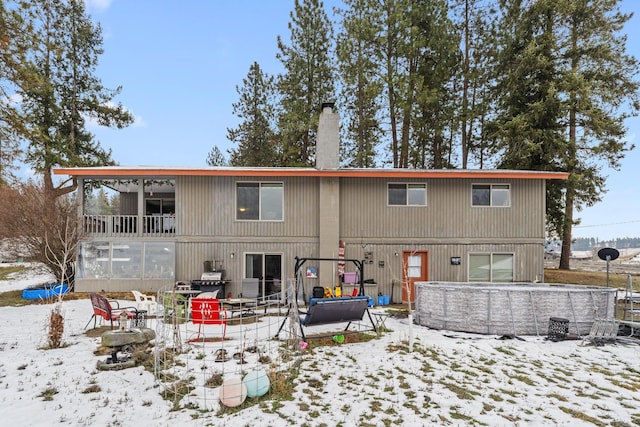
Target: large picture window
490 195
94 260
494 267
159 259
259 201
126 260
407 194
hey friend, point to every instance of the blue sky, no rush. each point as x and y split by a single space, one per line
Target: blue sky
179 64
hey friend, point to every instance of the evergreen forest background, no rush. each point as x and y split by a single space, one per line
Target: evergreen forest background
540 85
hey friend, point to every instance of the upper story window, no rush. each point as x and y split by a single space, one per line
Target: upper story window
408 194
490 195
259 201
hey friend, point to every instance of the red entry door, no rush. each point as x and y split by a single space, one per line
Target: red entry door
414 269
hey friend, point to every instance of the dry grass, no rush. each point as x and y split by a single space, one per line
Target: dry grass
14 298
5 272
588 278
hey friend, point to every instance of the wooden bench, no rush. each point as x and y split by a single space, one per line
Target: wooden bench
324 311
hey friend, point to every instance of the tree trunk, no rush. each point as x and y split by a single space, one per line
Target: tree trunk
567 230
406 116
392 112
567 224
465 87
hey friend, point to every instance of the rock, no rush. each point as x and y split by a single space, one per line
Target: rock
118 338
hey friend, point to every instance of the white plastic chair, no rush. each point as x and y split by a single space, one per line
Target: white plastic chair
213 294
146 302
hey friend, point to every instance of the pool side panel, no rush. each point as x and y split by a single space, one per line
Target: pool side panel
510 309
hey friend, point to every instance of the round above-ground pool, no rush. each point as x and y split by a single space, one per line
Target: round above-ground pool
510 308
45 291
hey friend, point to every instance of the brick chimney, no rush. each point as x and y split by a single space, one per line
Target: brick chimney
328 144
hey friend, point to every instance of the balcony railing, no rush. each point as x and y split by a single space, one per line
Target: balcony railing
127 225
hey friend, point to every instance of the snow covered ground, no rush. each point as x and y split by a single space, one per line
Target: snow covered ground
449 378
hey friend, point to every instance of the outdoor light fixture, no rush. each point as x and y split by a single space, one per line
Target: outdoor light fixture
233 254
396 253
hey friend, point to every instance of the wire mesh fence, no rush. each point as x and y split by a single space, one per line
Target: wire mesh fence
199 364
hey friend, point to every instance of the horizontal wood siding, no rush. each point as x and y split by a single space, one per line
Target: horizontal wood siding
448 214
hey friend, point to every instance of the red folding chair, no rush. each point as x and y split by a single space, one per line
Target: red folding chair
109 310
207 311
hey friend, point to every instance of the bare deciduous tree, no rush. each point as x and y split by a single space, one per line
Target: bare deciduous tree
42 226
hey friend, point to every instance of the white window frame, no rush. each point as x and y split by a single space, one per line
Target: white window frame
260 185
493 190
492 264
407 186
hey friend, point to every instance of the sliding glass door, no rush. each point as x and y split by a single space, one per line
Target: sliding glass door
267 267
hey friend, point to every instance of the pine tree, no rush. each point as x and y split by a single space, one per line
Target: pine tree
527 131
306 83
215 157
14 43
565 87
254 135
114 203
360 82
59 89
476 25
102 203
435 45
601 93
398 73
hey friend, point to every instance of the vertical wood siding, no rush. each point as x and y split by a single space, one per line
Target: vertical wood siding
206 228
190 257
528 262
448 214
447 227
208 205
129 203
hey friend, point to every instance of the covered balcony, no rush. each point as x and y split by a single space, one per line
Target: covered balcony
128 208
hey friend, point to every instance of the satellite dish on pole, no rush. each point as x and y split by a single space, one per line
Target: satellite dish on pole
608 254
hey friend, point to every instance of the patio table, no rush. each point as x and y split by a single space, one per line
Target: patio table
244 306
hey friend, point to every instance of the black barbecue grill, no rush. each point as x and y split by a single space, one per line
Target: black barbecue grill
210 282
